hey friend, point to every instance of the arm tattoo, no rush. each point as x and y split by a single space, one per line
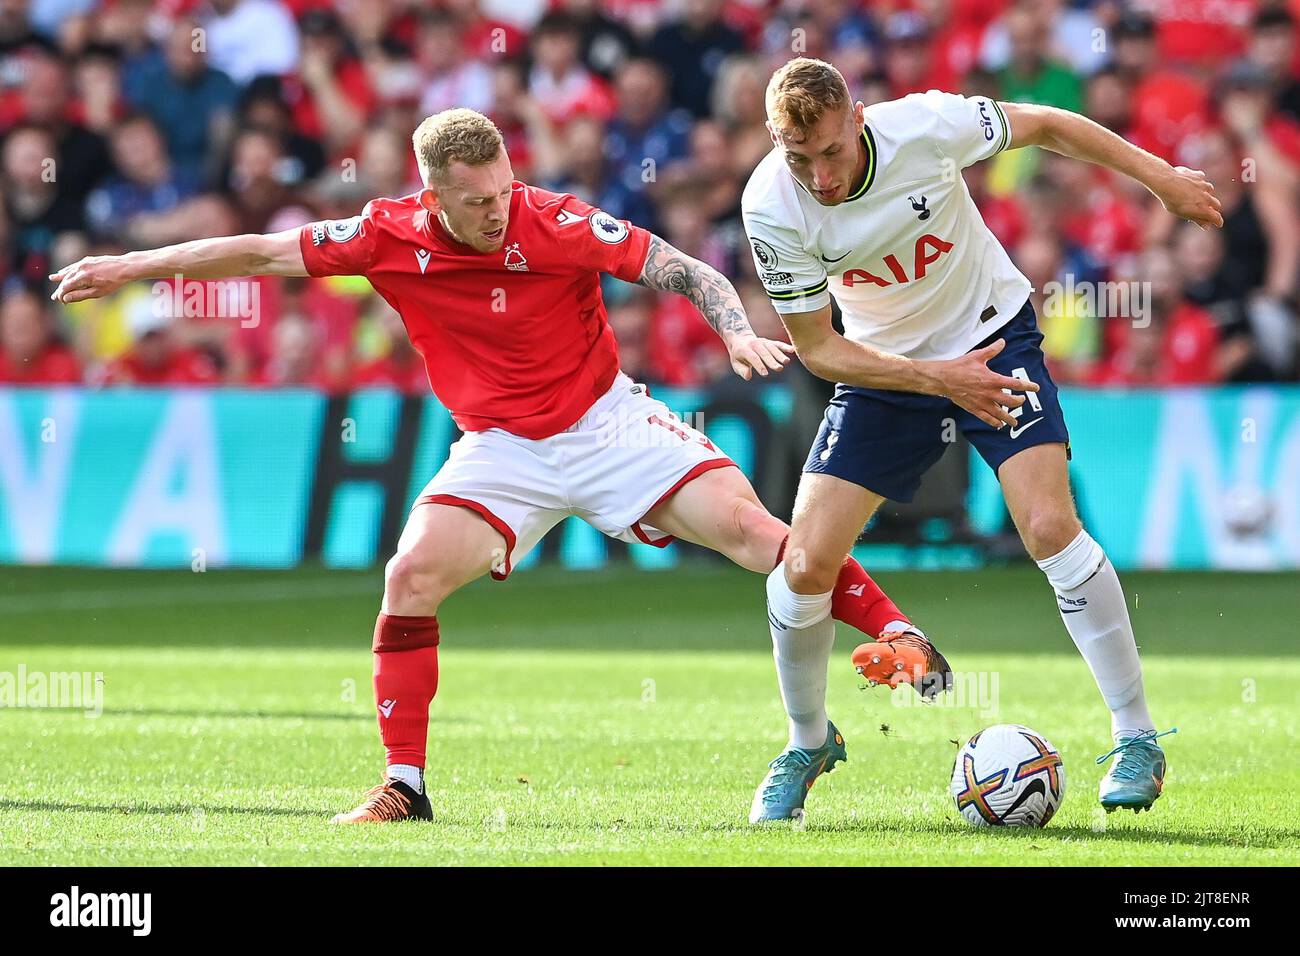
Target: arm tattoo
670 270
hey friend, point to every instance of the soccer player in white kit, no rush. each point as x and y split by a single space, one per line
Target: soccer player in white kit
868 204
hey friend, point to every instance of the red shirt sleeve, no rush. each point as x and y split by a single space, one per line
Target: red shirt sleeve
339 247
593 239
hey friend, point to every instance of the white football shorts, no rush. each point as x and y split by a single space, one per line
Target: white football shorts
626 455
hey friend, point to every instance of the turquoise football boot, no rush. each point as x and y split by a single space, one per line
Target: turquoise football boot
781 794
1137 776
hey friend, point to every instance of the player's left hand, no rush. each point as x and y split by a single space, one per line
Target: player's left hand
1189 195
750 354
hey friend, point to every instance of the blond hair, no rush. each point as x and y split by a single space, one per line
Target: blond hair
802 91
457 135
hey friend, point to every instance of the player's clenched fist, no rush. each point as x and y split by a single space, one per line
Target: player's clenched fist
971 384
750 354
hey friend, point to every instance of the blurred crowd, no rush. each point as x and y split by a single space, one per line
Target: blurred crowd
130 124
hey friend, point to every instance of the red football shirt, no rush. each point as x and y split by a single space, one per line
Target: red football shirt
514 339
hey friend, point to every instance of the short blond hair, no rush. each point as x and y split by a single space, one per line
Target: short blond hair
802 91
457 135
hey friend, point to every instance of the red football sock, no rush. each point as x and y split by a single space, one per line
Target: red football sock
406 678
859 601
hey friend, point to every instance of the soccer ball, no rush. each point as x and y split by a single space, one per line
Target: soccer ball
1008 776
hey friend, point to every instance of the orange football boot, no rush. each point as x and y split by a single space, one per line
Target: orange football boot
904 657
389 802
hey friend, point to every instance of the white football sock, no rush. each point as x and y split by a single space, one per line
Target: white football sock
802 654
1093 609
795 610
410 775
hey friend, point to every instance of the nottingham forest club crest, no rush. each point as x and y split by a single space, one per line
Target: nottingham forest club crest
515 260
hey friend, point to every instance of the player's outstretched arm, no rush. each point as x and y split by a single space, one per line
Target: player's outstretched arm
1184 192
277 254
967 380
671 270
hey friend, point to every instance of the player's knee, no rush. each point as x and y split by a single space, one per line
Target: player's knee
756 535
809 572
413 585
1048 530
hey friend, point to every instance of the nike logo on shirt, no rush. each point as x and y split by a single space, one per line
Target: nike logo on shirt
837 259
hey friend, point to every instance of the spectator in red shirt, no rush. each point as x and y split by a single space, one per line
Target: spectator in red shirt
1178 345
909 61
523 122
334 99
452 79
484 36
1101 219
560 81
1168 105
30 350
157 358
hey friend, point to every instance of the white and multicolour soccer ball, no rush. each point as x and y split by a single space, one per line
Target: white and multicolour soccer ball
1008 776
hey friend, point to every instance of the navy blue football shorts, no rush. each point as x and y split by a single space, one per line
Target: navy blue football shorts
885 441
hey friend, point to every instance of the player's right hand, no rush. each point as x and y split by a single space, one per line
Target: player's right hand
750 354
88 278
972 385
1189 195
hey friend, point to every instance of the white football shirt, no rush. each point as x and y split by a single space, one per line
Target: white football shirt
907 256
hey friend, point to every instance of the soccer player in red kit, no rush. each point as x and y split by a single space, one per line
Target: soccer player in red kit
498 284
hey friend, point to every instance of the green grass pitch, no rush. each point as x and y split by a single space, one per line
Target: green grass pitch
623 717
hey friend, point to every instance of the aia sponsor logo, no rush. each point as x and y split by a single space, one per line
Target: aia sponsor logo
927 251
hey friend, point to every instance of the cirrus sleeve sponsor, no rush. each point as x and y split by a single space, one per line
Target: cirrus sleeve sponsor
967 128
